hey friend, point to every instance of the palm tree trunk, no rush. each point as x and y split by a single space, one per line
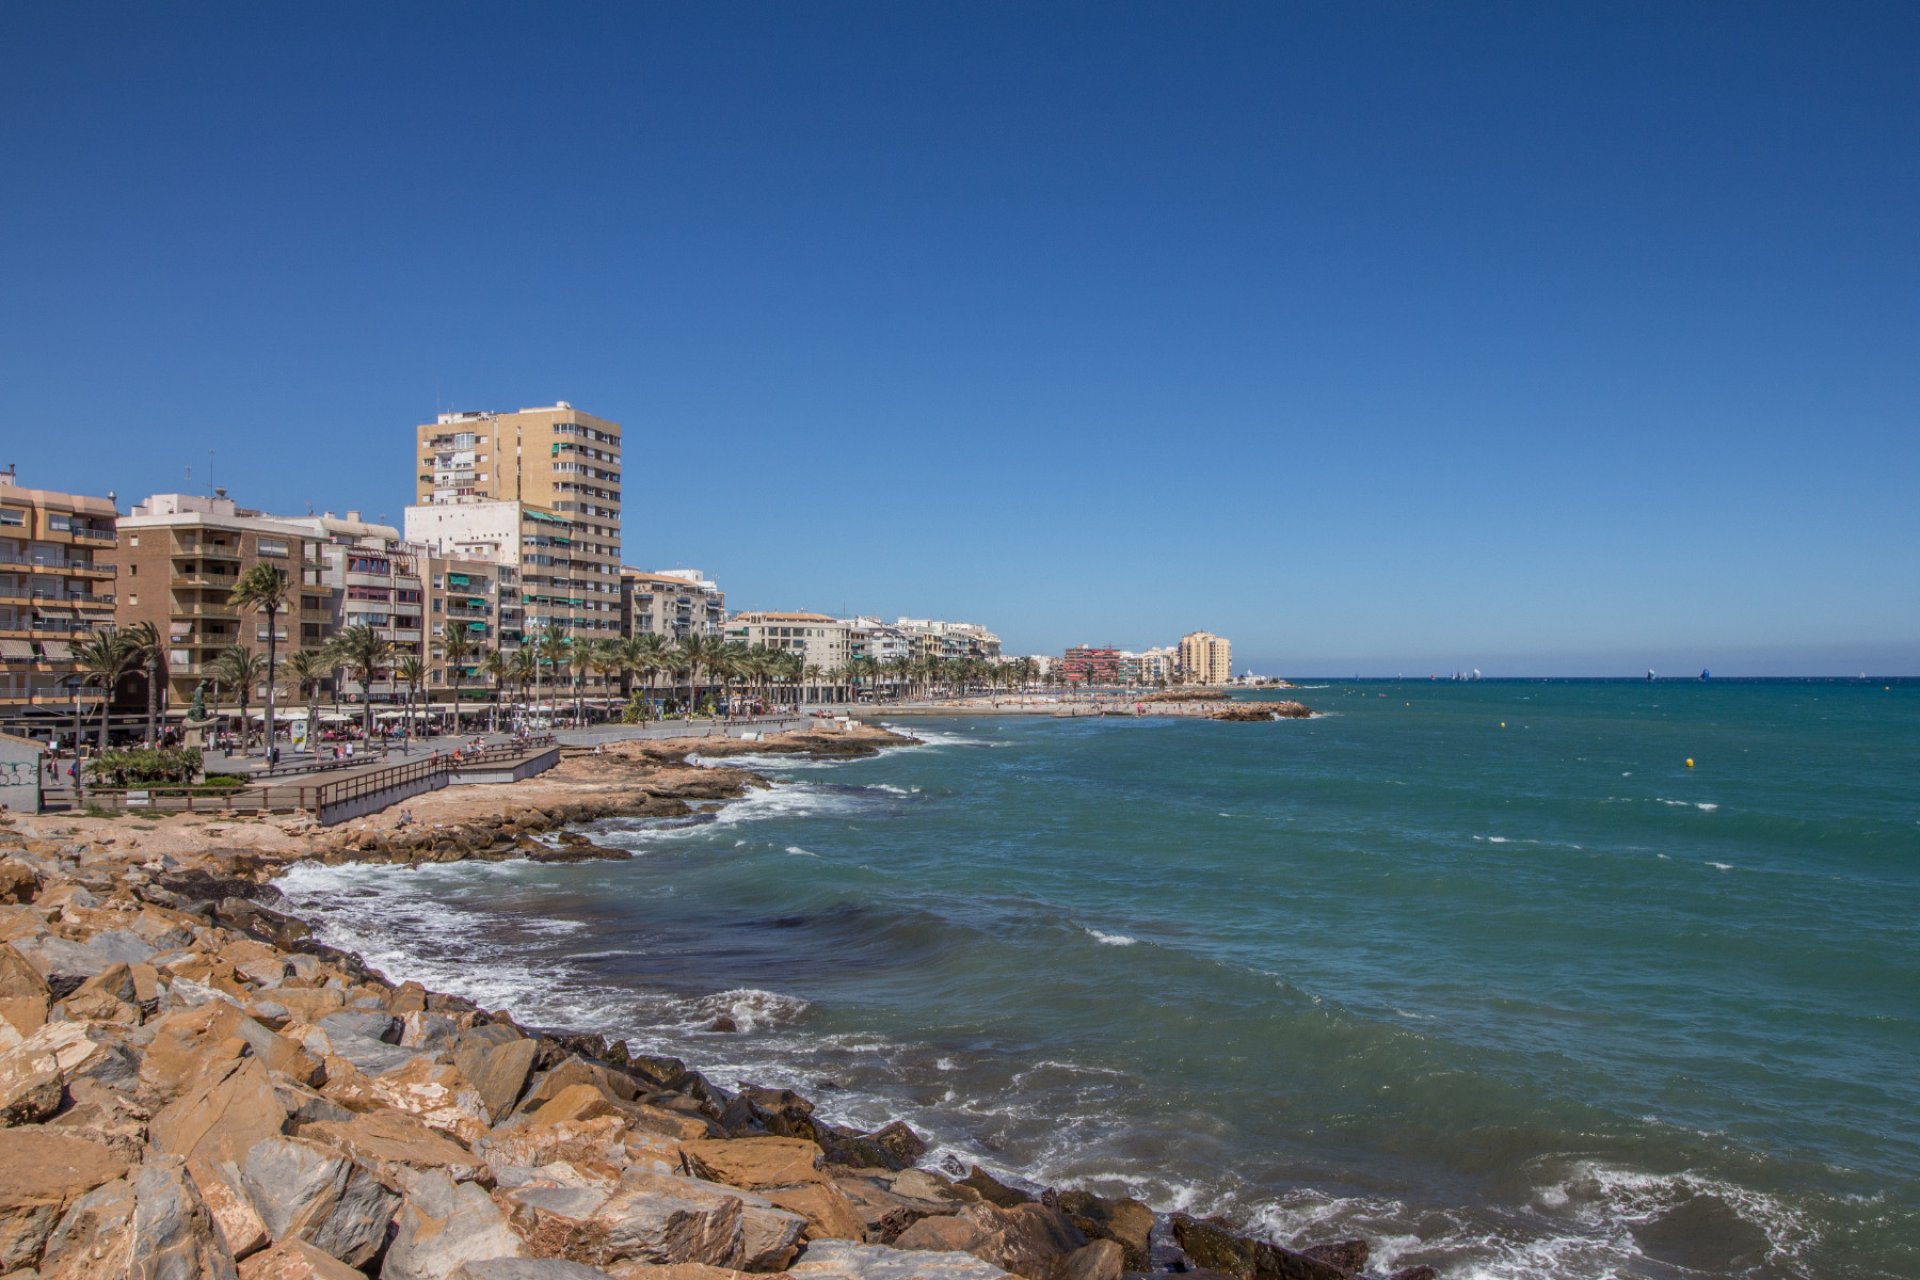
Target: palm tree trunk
268 750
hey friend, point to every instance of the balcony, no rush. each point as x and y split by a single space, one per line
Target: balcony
222 581
205 550
94 535
200 610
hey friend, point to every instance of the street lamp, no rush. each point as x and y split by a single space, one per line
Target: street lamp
76 683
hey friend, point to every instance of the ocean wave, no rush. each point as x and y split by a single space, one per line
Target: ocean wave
937 738
797 851
769 761
1721 866
1110 939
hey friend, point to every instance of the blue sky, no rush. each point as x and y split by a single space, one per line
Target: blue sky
1378 337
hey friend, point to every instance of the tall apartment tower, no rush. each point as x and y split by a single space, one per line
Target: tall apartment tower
1205 658
536 491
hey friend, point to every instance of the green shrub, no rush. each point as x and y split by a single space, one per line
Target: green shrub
139 766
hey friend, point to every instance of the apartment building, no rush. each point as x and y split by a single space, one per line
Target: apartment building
1091 664
181 555
820 641
374 580
467 595
671 604
881 641
1205 658
57 553
1150 667
933 638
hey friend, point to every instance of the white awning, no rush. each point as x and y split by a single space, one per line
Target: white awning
16 650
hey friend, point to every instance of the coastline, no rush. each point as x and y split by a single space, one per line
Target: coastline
145 866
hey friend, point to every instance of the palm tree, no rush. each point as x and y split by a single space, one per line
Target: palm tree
457 649
152 658
412 672
363 652
699 652
264 589
241 669
104 658
524 670
497 667
552 649
306 670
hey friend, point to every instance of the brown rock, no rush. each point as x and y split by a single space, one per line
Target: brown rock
649 1219
573 1103
443 1225
95 1236
498 1071
1128 1223
184 1042
1350 1256
24 995
1213 1244
828 1212
18 881
234 1216
994 1191
1031 1240
438 1094
42 1173
296 1260
755 1163
388 1141
173 1233
1098 1260
31 1087
87 1052
222 1114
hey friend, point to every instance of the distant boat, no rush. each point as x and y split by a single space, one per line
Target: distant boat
1649 675
1705 674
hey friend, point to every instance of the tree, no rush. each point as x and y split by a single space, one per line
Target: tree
525 670
411 672
264 589
497 667
240 669
306 670
552 649
151 657
364 652
699 652
104 659
457 648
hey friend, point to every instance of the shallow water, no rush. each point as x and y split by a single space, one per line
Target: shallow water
1533 1000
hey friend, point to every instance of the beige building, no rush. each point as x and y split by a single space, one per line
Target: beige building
181 555
820 641
671 604
538 489
1205 658
56 586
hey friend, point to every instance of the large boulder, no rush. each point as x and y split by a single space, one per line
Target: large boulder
305 1191
85 1051
438 1094
389 1142
1031 1240
19 883
222 1114
442 1226
1215 1245
498 1070
1128 1223
95 1236
31 1087
650 1218
24 994
173 1233
844 1260
296 1260
41 1174
528 1269
829 1214
755 1163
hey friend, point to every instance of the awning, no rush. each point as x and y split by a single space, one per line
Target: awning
16 650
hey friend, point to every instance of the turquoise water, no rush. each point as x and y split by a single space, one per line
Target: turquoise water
1482 971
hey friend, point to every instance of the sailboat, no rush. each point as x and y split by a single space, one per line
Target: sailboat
1705 674
1649 675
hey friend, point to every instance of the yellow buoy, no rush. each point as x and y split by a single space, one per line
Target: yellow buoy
1689 762
1503 724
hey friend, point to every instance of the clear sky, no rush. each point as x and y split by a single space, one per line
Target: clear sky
1377 337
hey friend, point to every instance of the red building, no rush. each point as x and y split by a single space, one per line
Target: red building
1088 664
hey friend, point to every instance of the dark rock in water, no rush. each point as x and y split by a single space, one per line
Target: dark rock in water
1348 1255
1415 1273
1214 1244
1128 1223
994 1191
826 1084
894 1147
723 1023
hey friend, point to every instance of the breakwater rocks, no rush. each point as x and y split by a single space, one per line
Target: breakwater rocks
191 1086
1260 712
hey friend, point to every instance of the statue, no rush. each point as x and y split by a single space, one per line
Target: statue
199 710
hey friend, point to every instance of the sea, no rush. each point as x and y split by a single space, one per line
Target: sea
1520 979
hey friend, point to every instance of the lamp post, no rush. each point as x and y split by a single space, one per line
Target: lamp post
76 683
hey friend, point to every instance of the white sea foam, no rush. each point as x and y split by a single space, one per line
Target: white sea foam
1111 939
937 738
1723 866
799 852
752 1009
1704 807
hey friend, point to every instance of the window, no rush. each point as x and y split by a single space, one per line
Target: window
133 571
133 599
12 516
60 524
275 547
133 540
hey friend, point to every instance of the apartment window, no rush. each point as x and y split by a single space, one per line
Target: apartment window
133 571
133 599
12 516
275 547
60 524
133 540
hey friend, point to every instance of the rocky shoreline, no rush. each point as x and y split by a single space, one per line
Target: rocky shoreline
192 1085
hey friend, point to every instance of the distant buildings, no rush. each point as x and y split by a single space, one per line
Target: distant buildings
820 640
1091 664
56 586
1205 658
672 604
